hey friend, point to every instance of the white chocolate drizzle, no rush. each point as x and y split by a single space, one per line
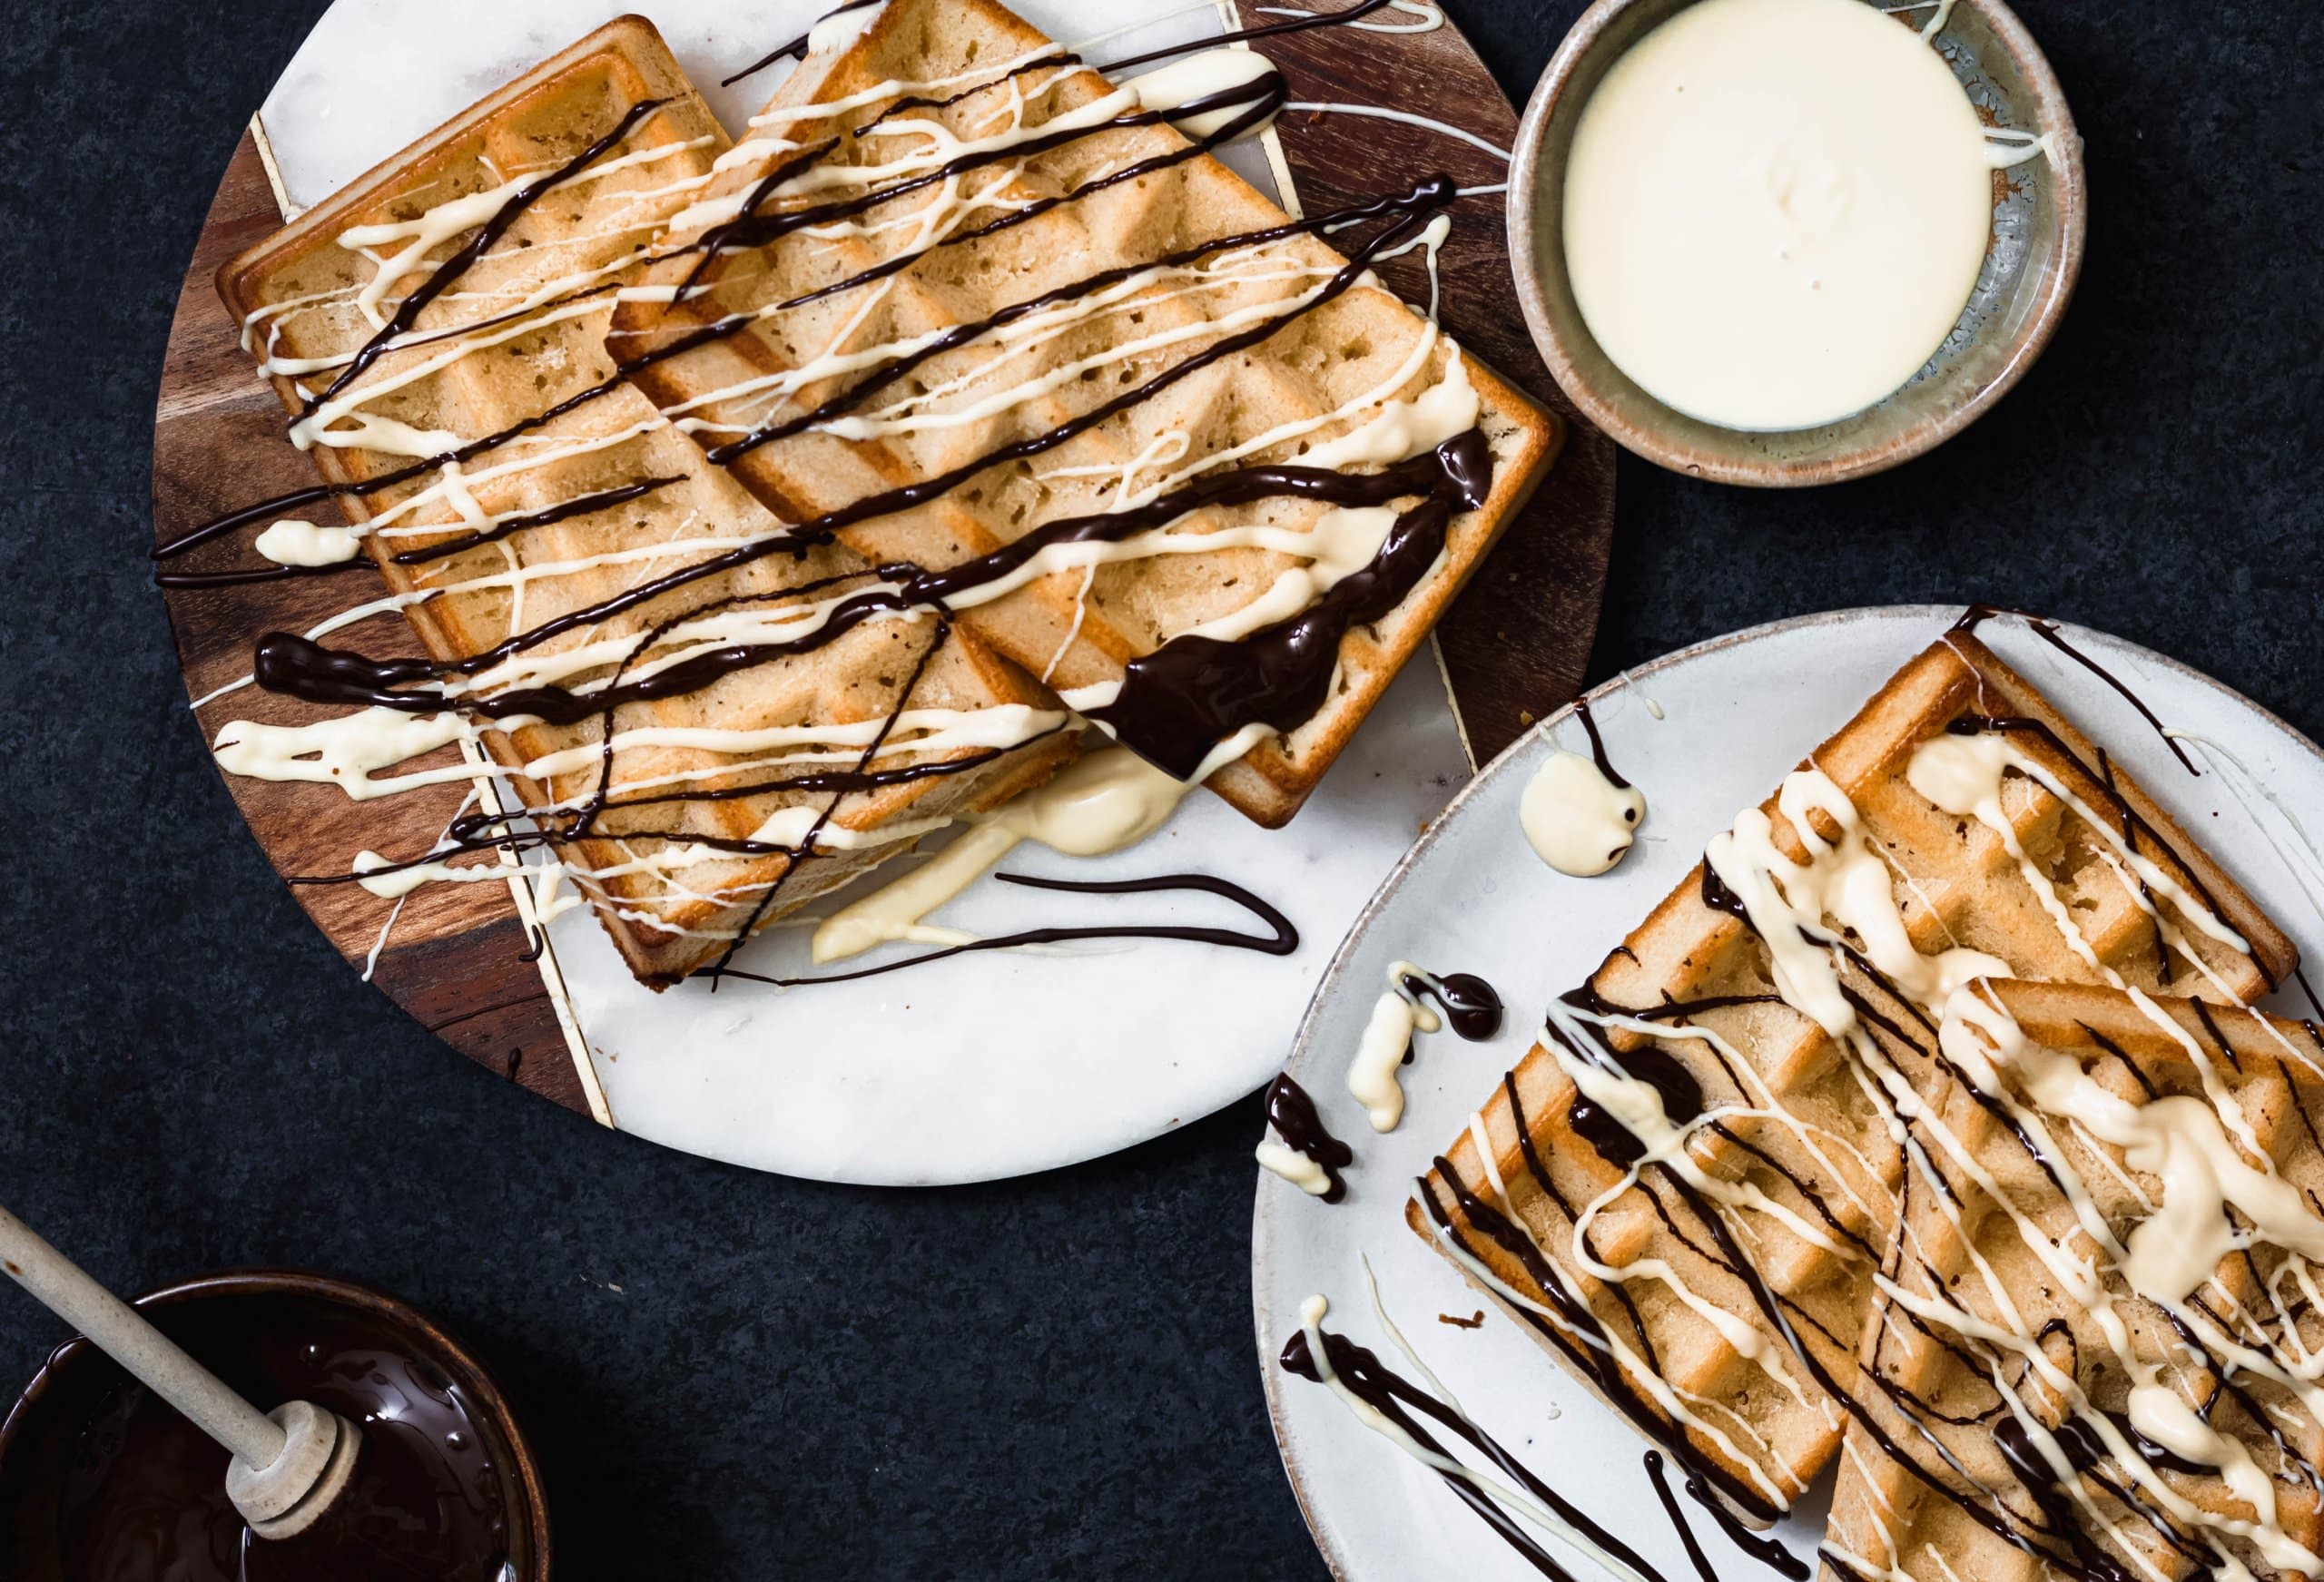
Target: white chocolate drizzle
1373 1076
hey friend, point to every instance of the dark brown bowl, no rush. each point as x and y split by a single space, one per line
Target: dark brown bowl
43 1429
2040 220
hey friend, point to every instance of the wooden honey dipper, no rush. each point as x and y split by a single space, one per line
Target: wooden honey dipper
290 1465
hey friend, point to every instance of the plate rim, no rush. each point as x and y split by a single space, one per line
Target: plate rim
1303 1043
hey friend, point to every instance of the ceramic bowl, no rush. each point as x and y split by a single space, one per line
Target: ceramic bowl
2039 214
45 1429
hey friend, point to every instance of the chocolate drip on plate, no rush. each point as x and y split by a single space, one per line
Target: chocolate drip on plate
1977 615
1281 940
1398 1399
1291 1111
1471 1007
1598 746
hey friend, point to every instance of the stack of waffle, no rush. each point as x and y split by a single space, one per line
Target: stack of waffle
714 709
1748 1190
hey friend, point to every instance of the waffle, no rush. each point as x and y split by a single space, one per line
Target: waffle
1802 1148
520 332
1954 1390
1315 378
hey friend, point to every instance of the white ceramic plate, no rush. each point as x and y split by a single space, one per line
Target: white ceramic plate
1739 714
989 1065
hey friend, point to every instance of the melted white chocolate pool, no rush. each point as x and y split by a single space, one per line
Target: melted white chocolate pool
1576 820
1775 209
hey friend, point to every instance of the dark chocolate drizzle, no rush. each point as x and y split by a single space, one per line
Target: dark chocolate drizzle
1471 1007
1977 615
1673 1084
1355 13
1181 701
1404 1403
1654 1470
1598 746
1282 939
1291 1111
796 50
1758 1546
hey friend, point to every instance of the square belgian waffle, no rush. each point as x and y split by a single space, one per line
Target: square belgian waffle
1718 1290
463 290
952 257
2075 1329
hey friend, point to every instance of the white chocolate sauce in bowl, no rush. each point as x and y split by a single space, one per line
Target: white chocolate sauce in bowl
1775 210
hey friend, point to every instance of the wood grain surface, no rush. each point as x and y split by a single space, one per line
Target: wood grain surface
1514 646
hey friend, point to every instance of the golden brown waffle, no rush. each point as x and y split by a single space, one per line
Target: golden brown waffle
1951 1472
521 330
1320 374
1802 1145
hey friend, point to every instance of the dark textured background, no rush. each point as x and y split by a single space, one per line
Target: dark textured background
1053 1378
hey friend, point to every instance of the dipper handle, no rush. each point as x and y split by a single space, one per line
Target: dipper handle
157 1362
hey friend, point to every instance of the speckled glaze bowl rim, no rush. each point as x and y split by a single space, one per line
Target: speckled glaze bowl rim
2060 274
531 1495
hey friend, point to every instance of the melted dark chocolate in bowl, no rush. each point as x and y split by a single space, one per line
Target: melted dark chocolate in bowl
101 1481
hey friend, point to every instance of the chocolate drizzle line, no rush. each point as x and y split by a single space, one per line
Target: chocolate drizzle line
719 968
1266 30
407 311
1180 701
1758 1546
2300 976
1397 1399
2163 969
1291 1111
1677 1518
1471 1007
1598 746
1282 940
1977 615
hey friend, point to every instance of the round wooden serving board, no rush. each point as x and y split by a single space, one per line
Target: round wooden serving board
1513 647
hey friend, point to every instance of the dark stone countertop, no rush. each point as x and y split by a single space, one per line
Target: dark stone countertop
743 1377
